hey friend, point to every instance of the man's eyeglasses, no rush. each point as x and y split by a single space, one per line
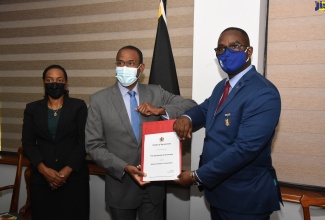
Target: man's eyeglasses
235 47
127 63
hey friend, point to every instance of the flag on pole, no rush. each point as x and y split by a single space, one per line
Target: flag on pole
163 69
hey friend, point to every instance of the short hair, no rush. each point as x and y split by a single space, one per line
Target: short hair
55 66
130 47
245 35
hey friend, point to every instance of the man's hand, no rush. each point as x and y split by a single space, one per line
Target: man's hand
136 174
184 179
183 127
147 109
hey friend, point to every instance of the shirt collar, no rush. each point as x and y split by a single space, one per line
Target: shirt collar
236 78
124 90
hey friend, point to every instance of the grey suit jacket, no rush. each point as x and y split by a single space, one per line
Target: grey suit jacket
111 143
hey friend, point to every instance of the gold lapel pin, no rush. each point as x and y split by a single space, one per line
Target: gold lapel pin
227 121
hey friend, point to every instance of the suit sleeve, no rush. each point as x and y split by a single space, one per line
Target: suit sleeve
29 137
96 144
175 105
77 156
198 114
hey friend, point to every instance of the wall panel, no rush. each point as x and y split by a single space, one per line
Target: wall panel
295 64
83 36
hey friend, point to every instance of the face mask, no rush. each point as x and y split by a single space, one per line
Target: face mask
126 75
231 61
54 90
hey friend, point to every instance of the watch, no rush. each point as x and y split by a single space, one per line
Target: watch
194 178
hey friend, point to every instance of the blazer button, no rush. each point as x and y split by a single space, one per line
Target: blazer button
56 160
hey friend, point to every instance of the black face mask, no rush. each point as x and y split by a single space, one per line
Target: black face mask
54 90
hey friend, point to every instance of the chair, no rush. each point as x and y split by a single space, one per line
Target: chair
16 186
25 211
307 201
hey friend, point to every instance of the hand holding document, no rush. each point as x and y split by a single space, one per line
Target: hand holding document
136 174
161 151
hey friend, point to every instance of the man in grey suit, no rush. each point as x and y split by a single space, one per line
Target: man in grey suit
113 145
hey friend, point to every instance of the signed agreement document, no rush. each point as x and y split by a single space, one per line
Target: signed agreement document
161 151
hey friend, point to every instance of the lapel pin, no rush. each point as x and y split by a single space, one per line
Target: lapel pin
227 121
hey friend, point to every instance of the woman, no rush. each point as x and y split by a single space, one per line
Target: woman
53 139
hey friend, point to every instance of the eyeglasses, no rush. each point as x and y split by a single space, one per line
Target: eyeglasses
235 47
130 63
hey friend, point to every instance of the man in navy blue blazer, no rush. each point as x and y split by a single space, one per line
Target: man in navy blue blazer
235 168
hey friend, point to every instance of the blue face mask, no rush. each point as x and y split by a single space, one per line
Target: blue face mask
231 61
126 75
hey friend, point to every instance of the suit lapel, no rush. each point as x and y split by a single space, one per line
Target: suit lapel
218 98
65 117
234 91
119 106
239 85
42 113
143 95
214 99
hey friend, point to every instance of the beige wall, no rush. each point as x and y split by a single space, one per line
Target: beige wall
82 36
296 65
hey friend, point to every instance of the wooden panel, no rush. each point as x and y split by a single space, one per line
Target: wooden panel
281 9
84 39
84 46
293 193
11 113
297 76
184 81
303 99
82 64
10 144
302 121
98 27
296 53
300 169
295 64
286 30
58 11
299 143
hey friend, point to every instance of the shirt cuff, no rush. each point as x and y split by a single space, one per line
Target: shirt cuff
198 177
188 117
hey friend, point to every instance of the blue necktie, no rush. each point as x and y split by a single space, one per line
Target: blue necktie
135 115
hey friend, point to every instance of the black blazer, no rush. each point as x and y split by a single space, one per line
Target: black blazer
68 147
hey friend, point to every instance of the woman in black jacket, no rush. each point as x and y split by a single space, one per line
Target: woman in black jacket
53 139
